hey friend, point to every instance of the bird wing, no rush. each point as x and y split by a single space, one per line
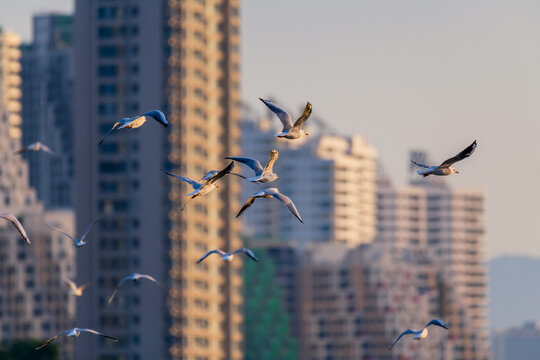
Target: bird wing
248 203
438 323
195 184
98 333
269 167
62 231
221 174
421 165
129 277
216 251
52 339
21 150
255 165
247 252
288 202
406 332
305 115
89 227
209 174
12 219
109 132
151 278
71 284
462 155
281 114
84 286
158 116
46 149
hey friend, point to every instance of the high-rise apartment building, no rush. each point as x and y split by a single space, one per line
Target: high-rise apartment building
181 57
517 343
10 81
47 107
330 178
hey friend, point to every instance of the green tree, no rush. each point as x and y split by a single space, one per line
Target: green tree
25 350
268 336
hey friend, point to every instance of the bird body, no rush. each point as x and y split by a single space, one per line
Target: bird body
37 146
420 334
290 131
271 193
262 175
446 168
74 289
75 332
137 122
228 257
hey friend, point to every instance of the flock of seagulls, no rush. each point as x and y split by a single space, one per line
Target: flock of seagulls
207 184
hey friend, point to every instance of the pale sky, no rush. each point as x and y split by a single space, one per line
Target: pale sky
406 74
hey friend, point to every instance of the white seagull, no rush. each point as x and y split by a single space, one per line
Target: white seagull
12 219
74 289
289 131
446 167
200 188
271 193
137 121
265 175
420 334
37 146
229 256
134 277
75 332
78 242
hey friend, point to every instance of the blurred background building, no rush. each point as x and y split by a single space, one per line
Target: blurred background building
517 343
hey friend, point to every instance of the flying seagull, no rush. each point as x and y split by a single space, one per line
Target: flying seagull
265 175
289 131
420 334
200 188
271 193
79 242
12 219
229 256
37 146
446 167
134 277
74 289
137 121
75 332
211 173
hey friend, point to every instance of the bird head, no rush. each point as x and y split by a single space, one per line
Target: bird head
306 133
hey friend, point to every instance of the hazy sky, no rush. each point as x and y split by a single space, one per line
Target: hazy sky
423 74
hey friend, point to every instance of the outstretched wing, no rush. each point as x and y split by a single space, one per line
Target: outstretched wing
281 114
421 165
209 174
129 277
158 116
288 202
108 133
462 155
438 323
216 251
247 252
255 165
12 219
193 183
52 339
21 150
46 149
98 333
148 277
89 227
248 203
406 332
269 167
305 115
70 283
62 231
221 174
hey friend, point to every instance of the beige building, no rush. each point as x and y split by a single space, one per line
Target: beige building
10 80
182 57
330 178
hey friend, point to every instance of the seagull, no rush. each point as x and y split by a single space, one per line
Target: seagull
229 256
211 173
265 175
79 242
200 188
12 219
135 277
446 167
74 289
420 334
269 193
75 332
137 121
289 131
37 146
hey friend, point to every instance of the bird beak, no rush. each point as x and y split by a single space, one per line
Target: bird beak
278 178
457 172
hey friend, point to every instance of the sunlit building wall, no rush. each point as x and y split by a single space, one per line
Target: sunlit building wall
10 80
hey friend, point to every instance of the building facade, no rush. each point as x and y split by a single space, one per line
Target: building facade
10 81
181 57
47 107
518 343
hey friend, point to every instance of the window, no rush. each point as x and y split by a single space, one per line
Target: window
109 12
108 89
108 109
110 51
105 32
108 70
